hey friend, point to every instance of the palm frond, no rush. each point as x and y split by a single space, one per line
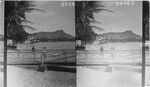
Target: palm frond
29 27
97 28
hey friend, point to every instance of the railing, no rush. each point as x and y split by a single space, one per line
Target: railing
52 56
1 56
121 57
126 57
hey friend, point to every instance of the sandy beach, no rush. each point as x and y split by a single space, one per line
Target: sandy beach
1 79
1 65
20 77
121 76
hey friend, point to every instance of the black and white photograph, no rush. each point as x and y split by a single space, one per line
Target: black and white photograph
40 43
74 43
109 44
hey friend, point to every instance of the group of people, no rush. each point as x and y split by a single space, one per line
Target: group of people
44 51
43 56
110 58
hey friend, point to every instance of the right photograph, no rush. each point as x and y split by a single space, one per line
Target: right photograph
112 43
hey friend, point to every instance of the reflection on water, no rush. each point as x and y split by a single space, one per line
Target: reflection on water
48 45
122 53
116 46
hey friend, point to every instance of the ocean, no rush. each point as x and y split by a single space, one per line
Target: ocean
118 53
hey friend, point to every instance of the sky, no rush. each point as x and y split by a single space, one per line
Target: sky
124 17
1 19
55 17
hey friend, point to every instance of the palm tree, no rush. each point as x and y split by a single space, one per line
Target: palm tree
84 16
15 16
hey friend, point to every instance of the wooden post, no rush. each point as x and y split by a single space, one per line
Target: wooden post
42 61
5 42
65 56
17 53
133 62
34 53
86 54
41 67
145 27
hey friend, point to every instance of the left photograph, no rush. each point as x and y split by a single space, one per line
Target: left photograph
40 43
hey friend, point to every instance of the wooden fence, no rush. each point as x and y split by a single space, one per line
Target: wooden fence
36 57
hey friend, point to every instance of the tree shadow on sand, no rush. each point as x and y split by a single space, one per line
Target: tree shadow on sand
61 67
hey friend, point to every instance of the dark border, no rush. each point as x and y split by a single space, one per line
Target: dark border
145 36
5 51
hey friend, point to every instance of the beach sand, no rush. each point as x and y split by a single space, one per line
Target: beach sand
121 76
20 77
1 79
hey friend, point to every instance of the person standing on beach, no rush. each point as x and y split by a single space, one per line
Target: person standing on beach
111 59
44 55
44 52
112 53
33 51
102 51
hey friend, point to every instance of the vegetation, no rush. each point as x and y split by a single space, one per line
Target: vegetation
54 39
84 16
124 40
15 16
146 19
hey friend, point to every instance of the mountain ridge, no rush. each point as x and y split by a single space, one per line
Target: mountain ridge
126 36
58 35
